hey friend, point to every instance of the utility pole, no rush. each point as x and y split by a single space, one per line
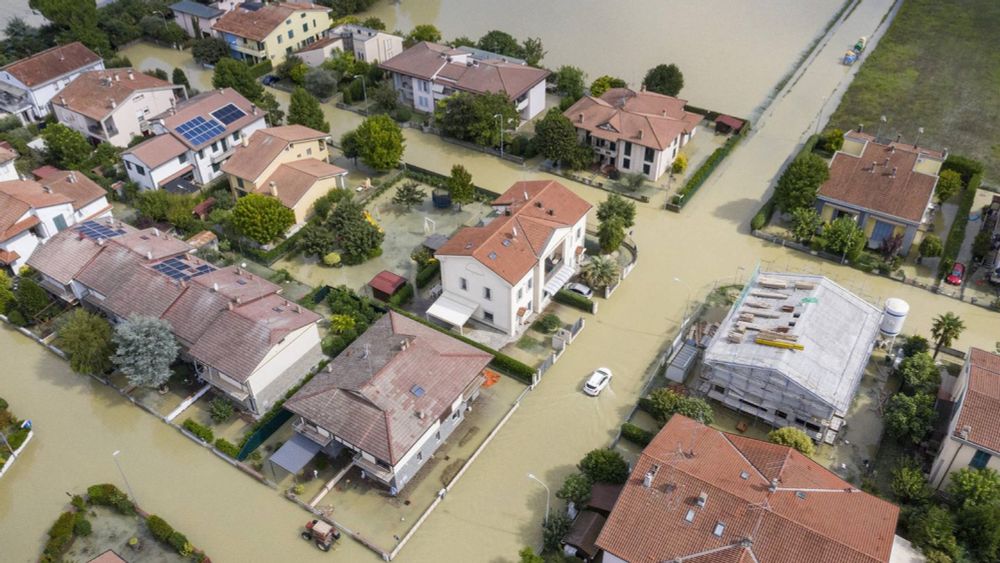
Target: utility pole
131 494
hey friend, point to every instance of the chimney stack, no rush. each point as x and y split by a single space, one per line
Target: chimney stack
274 188
579 117
245 140
62 99
149 255
215 286
118 78
893 171
874 164
114 104
71 177
156 232
253 109
131 74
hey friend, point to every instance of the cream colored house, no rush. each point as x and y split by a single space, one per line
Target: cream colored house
289 163
272 32
973 437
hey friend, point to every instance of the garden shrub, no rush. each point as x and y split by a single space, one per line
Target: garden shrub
110 495
159 527
81 526
759 220
428 273
403 296
221 410
574 300
636 435
180 542
547 324
402 114
204 433
3 404
227 447
60 537
16 318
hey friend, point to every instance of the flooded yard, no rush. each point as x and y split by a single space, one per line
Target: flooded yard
114 531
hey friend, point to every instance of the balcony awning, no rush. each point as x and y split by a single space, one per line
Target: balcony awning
559 279
452 309
295 453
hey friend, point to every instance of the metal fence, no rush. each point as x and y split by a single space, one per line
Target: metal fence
263 433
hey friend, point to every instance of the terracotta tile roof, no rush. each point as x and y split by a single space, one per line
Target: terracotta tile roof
43 172
8 257
63 256
761 504
32 193
511 245
97 93
76 186
258 24
250 161
643 118
19 197
47 65
202 238
367 395
978 414
429 61
152 244
12 210
156 151
194 311
203 105
7 154
867 182
386 282
315 45
295 179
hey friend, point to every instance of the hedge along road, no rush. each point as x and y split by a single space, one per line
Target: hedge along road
495 509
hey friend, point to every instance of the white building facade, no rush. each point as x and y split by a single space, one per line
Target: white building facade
27 86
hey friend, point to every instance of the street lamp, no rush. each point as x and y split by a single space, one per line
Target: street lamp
920 131
364 90
499 119
687 304
548 493
114 457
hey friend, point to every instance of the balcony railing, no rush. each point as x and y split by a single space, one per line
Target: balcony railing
373 469
309 431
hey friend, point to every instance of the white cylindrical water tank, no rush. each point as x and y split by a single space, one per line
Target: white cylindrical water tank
893 316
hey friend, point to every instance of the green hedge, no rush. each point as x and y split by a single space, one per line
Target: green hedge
956 236
60 538
636 435
402 296
967 167
227 447
159 527
110 495
260 69
574 300
703 172
427 273
763 216
201 431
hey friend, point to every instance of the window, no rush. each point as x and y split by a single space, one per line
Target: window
420 456
626 163
239 183
718 389
520 293
60 222
425 86
309 151
305 27
487 294
463 283
979 460
289 21
648 157
645 169
438 436
140 170
215 146
128 165
280 40
628 148
529 283
612 146
487 316
182 158
781 414
720 527
216 167
236 137
291 33
319 144
201 153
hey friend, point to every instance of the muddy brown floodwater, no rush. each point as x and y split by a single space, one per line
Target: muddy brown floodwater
495 509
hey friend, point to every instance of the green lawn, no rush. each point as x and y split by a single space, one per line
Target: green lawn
938 67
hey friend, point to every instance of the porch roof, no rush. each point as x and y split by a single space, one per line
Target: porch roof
452 309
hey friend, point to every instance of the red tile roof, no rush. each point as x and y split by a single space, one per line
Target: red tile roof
511 245
203 105
97 93
387 282
47 65
979 412
258 24
157 150
644 118
768 503
8 256
75 185
43 172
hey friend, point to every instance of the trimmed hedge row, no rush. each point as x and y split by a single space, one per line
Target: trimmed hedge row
60 538
763 216
574 300
110 495
956 236
203 432
166 534
227 447
427 273
403 296
703 172
260 69
636 435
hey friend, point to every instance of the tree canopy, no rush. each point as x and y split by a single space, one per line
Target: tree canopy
86 337
910 417
231 73
975 487
145 348
65 148
359 239
460 185
611 234
604 83
209 50
379 142
261 218
409 195
556 136
569 81
919 373
616 205
604 466
422 32
501 43
945 329
793 438
798 185
949 184
472 117
843 236
575 489
303 109
664 79
664 403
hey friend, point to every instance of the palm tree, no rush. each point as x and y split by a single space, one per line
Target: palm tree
945 330
600 272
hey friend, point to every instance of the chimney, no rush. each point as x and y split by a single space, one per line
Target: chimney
131 74
894 168
118 78
47 189
71 177
230 304
156 232
421 415
245 141
886 163
579 117
239 300
874 164
964 432
647 480
62 99
239 271
514 230
149 255
639 134
663 113
702 499
253 109
774 485
298 309
114 104
274 188
215 286
861 127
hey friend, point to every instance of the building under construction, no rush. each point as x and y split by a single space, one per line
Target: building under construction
792 352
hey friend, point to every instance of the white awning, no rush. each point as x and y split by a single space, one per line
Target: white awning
559 279
452 309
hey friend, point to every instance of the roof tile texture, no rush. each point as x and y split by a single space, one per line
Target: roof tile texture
51 63
981 404
91 94
643 118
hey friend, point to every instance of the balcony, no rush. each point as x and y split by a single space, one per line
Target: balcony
217 158
309 431
372 469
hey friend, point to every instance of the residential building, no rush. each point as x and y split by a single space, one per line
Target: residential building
290 163
427 72
392 397
503 273
32 212
197 19
792 352
113 106
270 32
698 494
973 437
28 85
237 330
8 157
192 141
887 187
634 132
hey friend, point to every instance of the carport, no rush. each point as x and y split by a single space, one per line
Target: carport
294 454
453 310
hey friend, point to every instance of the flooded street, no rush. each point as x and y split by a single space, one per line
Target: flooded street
494 509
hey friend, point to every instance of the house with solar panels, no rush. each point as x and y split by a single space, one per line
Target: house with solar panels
237 330
192 141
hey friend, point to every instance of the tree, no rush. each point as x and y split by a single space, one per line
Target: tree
982 244
21 40
611 234
342 323
32 300
617 206
680 164
554 530
604 83
157 73
65 148
472 117
532 51
209 50
664 403
220 410
569 81
949 184
7 299
932 530
945 329
501 43
181 79
460 185
409 195
979 530
919 373
798 185
805 223
604 466
528 555
600 272
349 146
931 246
631 182
832 140
77 21
576 489
145 348
303 109
372 22
359 238
320 82
315 240
915 344
87 339
909 484
793 438
910 417
261 218
291 63
230 73
384 97
422 32
462 41
843 236
556 136
664 79
975 487
380 142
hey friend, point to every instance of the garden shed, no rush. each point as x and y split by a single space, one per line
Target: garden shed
727 124
385 284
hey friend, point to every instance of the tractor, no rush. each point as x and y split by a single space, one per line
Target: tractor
321 533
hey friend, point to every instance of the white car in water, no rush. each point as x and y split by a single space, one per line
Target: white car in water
597 382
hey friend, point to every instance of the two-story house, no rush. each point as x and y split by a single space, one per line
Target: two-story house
113 106
270 32
503 273
197 18
887 187
32 212
8 157
973 437
192 141
634 132
369 45
241 335
392 397
28 85
290 163
427 72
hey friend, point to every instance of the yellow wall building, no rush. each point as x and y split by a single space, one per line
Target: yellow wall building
272 32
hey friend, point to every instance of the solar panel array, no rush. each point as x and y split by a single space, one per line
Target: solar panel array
94 230
228 114
177 269
199 130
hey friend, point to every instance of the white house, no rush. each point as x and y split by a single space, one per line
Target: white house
192 141
427 72
28 85
634 132
197 19
7 159
503 273
115 105
370 45
32 212
973 437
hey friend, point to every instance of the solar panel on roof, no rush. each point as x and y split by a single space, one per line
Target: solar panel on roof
417 390
94 230
178 269
199 130
228 114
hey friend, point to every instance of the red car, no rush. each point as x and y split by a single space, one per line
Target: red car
956 275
